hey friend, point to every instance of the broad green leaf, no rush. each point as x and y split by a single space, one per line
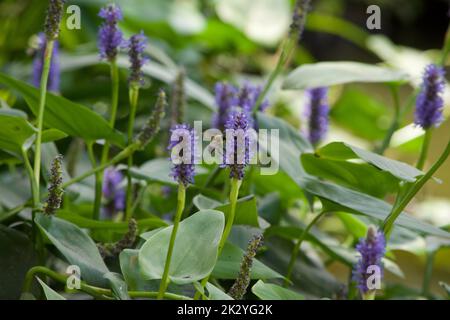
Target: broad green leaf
76 246
17 256
229 262
52 135
74 119
82 222
216 294
50 294
16 133
246 210
324 74
359 176
270 291
345 199
129 265
195 249
344 151
118 285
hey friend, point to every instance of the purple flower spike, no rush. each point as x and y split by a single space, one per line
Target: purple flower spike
113 191
248 95
136 47
429 103
372 250
38 64
226 99
238 145
183 170
317 114
110 37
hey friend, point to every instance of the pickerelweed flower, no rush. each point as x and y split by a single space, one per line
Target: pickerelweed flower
317 114
55 190
239 288
372 250
237 153
110 36
183 170
226 99
53 19
38 64
136 47
152 126
113 191
299 18
429 103
247 97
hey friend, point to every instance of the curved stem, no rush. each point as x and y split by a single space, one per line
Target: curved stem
99 293
234 193
180 207
134 96
40 117
112 121
297 247
424 150
398 209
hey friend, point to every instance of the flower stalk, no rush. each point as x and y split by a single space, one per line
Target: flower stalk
180 208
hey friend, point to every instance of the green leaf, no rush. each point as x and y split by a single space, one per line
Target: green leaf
16 133
118 285
246 210
324 74
50 294
359 176
343 198
344 151
229 262
17 256
269 291
195 249
74 119
131 270
76 246
52 135
216 294
82 222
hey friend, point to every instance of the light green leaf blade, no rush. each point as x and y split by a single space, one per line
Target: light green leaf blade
50 294
269 291
324 74
195 249
76 246
16 133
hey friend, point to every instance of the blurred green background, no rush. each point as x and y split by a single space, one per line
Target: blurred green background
238 39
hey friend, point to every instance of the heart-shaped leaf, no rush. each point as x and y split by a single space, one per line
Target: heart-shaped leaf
195 249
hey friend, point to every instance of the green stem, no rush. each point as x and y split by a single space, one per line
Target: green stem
119 157
99 293
398 209
428 273
234 193
424 151
98 178
180 207
297 247
112 121
40 117
134 96
395 122
286 51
